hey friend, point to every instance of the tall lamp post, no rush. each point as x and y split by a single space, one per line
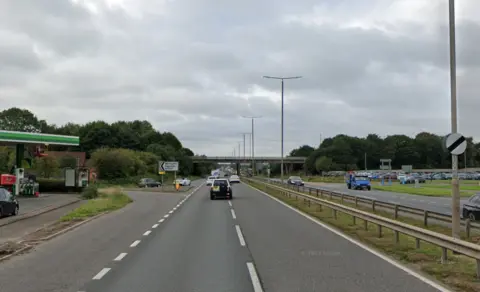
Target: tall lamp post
453 108
282 79
253 139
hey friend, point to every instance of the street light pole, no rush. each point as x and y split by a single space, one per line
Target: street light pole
244 149
453 108
282 79
253 140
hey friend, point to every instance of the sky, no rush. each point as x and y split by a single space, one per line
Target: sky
195 67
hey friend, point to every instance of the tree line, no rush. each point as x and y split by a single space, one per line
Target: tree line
343 152
117 150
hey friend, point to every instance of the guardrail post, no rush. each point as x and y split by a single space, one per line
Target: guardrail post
425 218
467 227
373 205
342 199
356 201
397 237
395 213
317 192
354 220
365 224
321 193
309 191
334 213
379 229
331 195
444 255
417 243
319 207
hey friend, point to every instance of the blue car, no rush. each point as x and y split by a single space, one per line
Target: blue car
358 183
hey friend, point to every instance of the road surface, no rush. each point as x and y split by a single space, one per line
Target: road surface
253 243
435 204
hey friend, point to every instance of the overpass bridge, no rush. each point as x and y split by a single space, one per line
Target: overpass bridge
236 159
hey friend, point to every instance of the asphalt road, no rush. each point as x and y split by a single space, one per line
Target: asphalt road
45 200
435 204
68 262
249 243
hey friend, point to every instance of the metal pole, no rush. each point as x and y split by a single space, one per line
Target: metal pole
453 106
253 148
243 146
239 149
365 161
281 159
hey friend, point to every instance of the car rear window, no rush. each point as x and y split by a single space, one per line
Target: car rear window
220 182
211 177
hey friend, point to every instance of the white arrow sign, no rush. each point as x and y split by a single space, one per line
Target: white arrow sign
168 166
456 143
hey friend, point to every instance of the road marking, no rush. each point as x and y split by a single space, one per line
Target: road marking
161 220
233 214
102 273
135 243
147 233
166 216
170 212
359 244
257 287
155 226
230 203
120 257
240 235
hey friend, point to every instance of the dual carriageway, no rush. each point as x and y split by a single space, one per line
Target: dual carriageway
190 243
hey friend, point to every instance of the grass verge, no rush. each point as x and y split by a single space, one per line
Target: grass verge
109 199
459 273
423 190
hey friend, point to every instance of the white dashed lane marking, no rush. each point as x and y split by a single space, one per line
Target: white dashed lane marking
135 243
102 273
240 235
154 226
120 256
147 233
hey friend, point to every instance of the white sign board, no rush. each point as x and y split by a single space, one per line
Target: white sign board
456 143
167 166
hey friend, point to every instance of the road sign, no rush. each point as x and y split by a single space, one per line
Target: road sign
456 143
167 166
161 172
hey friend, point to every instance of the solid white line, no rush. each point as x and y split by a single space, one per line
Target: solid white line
361 245
100 274
135 243
161 220
147 233
240 235
166 216
154 225
257 287
233 214
120 256
230 203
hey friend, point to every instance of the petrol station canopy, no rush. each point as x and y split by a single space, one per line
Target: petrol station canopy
11 137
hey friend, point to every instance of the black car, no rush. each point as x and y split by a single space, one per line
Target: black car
8 204
471 209
295 180
221 189
149 183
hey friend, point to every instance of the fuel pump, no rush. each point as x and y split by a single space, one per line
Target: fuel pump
19 177
82 177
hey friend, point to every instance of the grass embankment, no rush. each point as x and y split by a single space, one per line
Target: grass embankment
99 201
423 190
459 272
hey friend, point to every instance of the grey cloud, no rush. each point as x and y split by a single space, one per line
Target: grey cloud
188 69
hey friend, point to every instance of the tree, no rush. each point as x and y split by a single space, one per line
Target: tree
67 161
46 166
323 164
16 119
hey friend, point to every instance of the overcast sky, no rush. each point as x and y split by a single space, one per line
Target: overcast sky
194 67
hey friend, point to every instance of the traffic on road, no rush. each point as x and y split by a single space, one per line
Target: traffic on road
188 242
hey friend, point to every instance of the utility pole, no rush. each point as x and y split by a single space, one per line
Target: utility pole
253 140
244 134
282 79
453 108
365 161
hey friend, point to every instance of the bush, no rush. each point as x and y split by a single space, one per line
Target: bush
90 192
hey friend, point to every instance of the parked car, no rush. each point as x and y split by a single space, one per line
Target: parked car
471 209
149 183
8 204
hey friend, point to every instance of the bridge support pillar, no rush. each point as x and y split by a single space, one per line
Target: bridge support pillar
238 168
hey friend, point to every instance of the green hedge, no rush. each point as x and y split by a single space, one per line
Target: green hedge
47 185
